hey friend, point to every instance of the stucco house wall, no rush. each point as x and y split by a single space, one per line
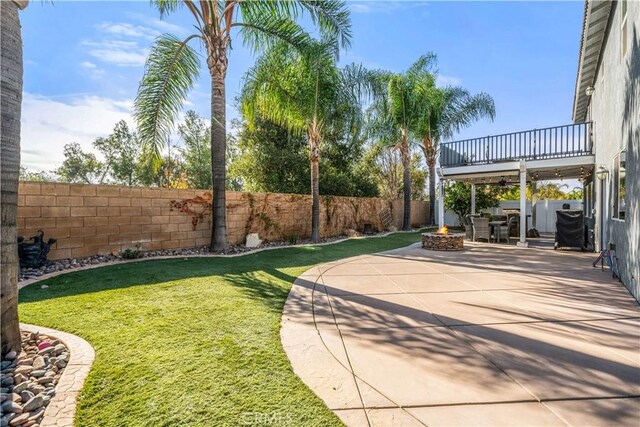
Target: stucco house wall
615 111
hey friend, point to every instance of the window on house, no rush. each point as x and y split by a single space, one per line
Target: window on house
624 40
619 186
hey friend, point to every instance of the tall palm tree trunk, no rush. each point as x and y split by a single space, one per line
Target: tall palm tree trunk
432 191
218 68
10 109
406 178
314 155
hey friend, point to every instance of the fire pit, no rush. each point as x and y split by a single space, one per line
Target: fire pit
443 241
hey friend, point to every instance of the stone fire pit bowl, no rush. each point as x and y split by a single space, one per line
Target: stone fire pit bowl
443 242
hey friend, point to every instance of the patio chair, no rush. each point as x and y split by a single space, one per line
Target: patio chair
481 229
513 229
468 226
502 231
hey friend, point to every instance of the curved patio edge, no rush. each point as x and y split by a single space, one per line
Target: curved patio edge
28 282
61 411
313 344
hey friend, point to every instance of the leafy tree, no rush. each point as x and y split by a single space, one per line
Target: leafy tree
419 177
575 194
271 159
196 152
457 197
80 166
172 68
29 175
540 191
301 91
383 165
121 151
168 171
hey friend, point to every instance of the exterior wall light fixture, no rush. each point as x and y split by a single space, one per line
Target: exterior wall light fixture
602 173
589 91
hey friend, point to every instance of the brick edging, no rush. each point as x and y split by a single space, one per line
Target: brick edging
28 282
62 408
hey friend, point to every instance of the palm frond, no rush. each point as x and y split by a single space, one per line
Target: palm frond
461 109
332 18
270 92
295 89
259 33
424 66
165 7
170 72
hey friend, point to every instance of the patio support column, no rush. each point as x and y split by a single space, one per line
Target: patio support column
523 205
473 199
440 200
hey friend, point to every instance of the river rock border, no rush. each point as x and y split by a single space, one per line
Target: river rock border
31 281
62 408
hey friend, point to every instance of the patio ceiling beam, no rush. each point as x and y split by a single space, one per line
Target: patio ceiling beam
562 162
490 169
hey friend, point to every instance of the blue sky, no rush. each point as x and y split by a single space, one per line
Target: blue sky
83 61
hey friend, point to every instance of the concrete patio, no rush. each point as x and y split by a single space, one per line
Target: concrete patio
493 335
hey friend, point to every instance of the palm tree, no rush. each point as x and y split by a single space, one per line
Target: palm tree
10 110
443 113
302 91
173 66
393 116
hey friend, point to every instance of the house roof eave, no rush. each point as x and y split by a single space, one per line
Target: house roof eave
594 29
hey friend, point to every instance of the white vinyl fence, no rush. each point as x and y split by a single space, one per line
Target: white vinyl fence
545 212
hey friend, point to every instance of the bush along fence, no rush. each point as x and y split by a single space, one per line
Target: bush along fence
89 220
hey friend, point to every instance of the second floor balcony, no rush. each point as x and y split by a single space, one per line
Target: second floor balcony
558 142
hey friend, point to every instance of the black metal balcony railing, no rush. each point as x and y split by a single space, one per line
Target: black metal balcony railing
537 144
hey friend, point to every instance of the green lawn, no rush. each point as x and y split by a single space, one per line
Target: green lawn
190 341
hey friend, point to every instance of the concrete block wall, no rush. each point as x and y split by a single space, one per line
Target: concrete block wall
99 219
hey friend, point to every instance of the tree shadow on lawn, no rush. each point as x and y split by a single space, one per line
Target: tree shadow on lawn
240 271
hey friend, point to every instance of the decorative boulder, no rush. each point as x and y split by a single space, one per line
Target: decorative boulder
349 232
253 240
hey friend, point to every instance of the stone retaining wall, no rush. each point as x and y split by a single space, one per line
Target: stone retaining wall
97 219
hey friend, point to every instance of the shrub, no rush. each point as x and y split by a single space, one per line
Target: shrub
131 253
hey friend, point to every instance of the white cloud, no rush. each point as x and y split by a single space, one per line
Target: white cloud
443 80
48 124
88 65
118 52
384 6
92 70
359 7
128 30
160 24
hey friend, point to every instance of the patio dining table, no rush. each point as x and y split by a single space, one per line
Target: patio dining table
496 225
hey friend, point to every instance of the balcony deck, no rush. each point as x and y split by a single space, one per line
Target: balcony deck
559 142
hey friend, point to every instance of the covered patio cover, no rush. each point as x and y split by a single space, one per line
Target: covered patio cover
493 335
513 173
